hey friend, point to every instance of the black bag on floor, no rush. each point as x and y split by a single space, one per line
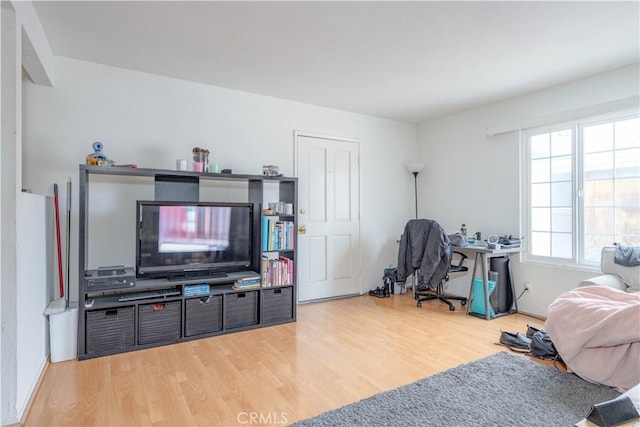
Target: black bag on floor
389 279
542 347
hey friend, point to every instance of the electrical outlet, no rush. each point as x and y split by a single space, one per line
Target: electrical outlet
527 286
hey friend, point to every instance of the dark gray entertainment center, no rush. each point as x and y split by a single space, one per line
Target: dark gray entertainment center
122 313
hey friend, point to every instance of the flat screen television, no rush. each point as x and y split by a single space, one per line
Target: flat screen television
187 238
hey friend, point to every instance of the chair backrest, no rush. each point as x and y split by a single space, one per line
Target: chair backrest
424 245
459 267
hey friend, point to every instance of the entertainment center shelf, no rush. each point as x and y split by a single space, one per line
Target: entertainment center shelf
125 314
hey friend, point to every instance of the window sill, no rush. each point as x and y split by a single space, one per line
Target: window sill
560 264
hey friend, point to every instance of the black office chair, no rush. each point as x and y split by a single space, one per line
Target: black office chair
425 251
438 293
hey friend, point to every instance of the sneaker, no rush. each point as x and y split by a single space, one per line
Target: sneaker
515 341
379 293
531 330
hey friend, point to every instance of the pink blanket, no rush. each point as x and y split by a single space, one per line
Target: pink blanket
596 331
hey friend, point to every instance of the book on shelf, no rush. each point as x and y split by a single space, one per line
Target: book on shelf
196 290
247 283
242 286
264 265
277 271
251 279
276 234
265 234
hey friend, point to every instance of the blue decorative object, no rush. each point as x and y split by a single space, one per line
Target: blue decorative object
97 158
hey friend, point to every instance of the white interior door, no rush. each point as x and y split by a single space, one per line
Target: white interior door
328 255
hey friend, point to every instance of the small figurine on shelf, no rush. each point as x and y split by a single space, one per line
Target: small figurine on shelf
271 170
97 158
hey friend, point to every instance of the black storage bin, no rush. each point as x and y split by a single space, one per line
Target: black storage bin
159 322
240 309
203 315
277 304
503 298
110 329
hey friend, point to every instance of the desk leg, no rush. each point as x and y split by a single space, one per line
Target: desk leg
513 286
485 279
481 259
473 276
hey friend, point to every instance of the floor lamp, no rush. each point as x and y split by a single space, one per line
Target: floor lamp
415 169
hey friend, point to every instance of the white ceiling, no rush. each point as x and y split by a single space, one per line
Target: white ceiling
407 61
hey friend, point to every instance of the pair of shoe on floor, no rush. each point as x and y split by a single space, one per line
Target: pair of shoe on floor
518 342
379 292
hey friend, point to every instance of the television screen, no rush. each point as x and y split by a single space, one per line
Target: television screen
176 238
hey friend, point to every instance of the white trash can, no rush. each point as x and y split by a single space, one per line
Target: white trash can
63 334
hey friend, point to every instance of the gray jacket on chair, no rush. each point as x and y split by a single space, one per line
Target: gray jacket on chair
424 245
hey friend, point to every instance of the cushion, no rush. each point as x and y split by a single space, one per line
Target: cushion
608 280
629 275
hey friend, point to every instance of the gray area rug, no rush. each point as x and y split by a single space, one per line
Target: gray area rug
499 390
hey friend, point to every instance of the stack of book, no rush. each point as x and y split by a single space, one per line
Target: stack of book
276 271
277 235
247 283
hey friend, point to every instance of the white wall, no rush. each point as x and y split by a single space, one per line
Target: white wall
32 294
152 121
474 179
8 288
37 57
23 265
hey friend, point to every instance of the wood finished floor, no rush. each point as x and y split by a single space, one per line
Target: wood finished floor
338 352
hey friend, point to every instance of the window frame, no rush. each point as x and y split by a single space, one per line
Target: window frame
577 127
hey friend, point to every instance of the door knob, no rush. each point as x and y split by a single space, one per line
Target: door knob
302 212
302 229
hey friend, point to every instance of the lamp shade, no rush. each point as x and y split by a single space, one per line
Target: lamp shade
415 167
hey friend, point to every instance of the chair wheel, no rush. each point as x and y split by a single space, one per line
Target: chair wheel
419 304
452 308
463 302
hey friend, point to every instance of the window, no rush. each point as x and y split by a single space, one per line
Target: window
582 188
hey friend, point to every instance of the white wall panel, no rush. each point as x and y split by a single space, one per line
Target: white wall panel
318 255
343 265
33 242
152 121
342 196
317 187
472 178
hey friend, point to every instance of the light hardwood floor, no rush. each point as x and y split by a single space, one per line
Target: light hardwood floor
337 352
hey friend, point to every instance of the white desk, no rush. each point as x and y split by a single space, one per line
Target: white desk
482 257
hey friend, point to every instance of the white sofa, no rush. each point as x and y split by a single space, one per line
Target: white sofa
615 275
